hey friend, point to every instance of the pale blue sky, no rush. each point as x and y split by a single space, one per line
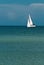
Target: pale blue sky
16 12
21 1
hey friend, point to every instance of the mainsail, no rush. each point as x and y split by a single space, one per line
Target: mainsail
30 20
30 23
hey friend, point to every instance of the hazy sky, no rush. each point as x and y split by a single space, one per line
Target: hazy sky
21 1
16 12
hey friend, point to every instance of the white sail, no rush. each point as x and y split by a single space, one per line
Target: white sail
30 23
30 20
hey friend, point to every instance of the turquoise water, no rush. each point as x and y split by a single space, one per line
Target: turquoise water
21 46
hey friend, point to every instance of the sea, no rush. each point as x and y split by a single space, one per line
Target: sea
20 45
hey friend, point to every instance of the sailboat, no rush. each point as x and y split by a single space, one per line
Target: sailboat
30 23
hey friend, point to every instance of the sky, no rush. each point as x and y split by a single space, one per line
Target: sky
21 1
16 12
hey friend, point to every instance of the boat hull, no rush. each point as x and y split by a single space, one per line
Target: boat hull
31 26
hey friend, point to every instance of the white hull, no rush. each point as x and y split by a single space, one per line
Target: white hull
31 26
